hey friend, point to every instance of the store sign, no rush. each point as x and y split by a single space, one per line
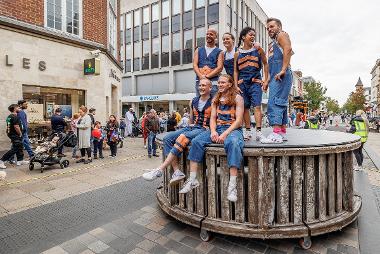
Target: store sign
150 98
91 66
113 75
35 113
25 63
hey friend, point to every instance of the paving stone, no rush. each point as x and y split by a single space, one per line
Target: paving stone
87 252
138 251
138 229
73 246
299 250
273 251
116 230
146 245
190 241
173 245
241 250
158 249
109 251
121 245
86 239
222 244
257 246
332 251
152 235
98 246
154 226
55 250
142 221
175 235
205 247
106 237
96 231
172 252
148 209
347 249
217 250
148 216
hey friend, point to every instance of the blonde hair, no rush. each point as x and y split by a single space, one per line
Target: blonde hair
76 115
83 108
229 95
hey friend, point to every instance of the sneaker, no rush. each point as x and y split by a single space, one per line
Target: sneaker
259 135
284 136
152 175
176 177
156 155
358 168
3 174
247 135
2 165
19 163
150 156
145 146
232 193
273 138
189 185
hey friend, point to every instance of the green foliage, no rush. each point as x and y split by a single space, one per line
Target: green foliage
332 105
355 101
315 94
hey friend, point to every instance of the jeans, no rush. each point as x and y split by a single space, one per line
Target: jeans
84 150
175 142
214 88
252 94
233 146
359 155
152 146
113 147
26 143
16 149
98 146
122 132
75 149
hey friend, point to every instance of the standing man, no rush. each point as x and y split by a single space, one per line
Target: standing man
14 132
152 125
23 105
280 83
208 62
129 118
58 125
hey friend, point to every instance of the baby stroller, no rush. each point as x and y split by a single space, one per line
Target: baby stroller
136 129
46 154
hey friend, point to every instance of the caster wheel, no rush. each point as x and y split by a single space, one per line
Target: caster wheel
31 166
305 243
64 164
205 235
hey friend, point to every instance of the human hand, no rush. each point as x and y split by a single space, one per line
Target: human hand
222 138
280 75
214 136
256 45
265 86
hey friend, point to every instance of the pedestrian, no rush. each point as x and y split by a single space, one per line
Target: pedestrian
129 118
58 125
312 122
178 116
74 129
23 105
112 134
280 83
14 132
184 121
152 126
123 125
144 131
84 135
97 140
91 113
163 122
359 126
172 122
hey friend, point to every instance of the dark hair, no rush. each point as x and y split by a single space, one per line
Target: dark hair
20 102
58 110
230 34
244 32
278 22
12 107
91 110
97 122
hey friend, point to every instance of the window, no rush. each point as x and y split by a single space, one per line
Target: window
122 38
187 21
155 29
200 17
145 32
54 14
215 27
176 7
155 12
112 30
176 51
165 51
72 17
213 14
200 34
137 55
210 2
128 36
165 26
64 15
187 5
145 58
128 51
187 54
128 20
137 18
199 3
165 9
128 66
155 52
176 23
146 15
136 29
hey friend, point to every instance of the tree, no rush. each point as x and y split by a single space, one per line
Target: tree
332 105
355 101
314 94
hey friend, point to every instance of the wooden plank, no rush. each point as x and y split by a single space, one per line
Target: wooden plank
211 166
266 191
240 203
200 191
296 190
331 186
190 194
348 188
310 189
283 191
322 187
224 179
253 190
183 167
339 183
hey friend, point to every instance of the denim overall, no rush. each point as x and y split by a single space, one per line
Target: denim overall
206 64
278 90
229 64
249 67
233 144
175 142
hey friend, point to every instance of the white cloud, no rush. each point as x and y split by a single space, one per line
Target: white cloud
335 41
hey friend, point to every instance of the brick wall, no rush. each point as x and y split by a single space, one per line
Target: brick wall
95 21
29 11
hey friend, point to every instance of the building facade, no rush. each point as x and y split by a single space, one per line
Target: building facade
43 57
158 39
375 87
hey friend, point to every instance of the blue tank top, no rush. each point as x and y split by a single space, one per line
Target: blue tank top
275 58
226 115
249 65
208 63
229 64
201 118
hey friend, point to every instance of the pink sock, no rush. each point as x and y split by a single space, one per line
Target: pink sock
283 130
277 130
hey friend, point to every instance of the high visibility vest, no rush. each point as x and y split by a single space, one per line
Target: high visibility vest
361 130
312 125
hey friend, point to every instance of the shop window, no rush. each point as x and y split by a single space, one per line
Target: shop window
200 17
176 7
155 29
176 23
165 26
165 51
213 14
187 54
136 64
200 34
136 33
176 49
187 5
145 32
187 20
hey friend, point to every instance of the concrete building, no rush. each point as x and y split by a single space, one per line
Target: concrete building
375 87
297 86
43 46
159 38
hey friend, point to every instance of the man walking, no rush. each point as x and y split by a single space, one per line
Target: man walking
208 62
129 118
14 132
58 125
23 105
152 126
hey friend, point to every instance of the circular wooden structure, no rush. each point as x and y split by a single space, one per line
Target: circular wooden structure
301 188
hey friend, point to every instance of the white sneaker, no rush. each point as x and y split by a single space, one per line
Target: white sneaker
145 146
176 177
358 168
247 135
152 175
2 165
284 136
273 138
189 185
232 193
259 135
19 163
3 174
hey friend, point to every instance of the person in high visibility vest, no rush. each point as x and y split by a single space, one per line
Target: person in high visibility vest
359 126
312 122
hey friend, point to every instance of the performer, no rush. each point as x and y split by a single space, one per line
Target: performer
280 83
248 62
175 142
228 60
225 128
208 62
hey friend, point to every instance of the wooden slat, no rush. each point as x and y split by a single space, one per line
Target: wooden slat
224 179
240 203
339 183
253 190
164 178
200 191
183 167
348 189
211 166
310 189
266 191
283 191
297 190
190 194
322 187
331 185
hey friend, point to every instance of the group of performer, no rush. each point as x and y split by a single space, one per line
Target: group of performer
223 101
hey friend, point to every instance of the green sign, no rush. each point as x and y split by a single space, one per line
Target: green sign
91 66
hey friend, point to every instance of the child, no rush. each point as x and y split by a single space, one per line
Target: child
112 134
47 145
97 140
123 125
225 128
248 63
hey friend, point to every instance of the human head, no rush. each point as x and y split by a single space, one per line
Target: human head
204 87
226 89
247 36
97 124
92 111
359 112
130 109
211 36
58 111
112 118
274 26
22 104
83 110
174 115
13 108
76 115
153 112
228 41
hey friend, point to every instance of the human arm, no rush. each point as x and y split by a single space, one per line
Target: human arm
85 123
219 67
236 71
16 124
284 42
214 135
191 122
195 65
266 69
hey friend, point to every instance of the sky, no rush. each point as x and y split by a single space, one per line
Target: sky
335 41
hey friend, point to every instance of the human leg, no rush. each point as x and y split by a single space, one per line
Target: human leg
26 143
100 149
96 146
150 143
